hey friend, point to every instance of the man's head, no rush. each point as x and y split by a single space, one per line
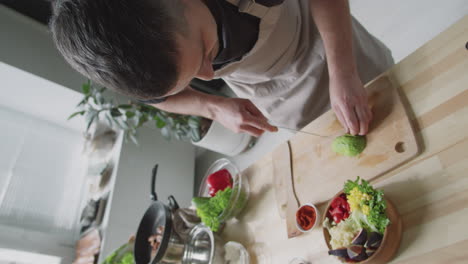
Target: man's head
142 48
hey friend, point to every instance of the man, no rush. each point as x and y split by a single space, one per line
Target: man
270 52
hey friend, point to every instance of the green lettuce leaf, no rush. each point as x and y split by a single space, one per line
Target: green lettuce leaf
377 220
209 209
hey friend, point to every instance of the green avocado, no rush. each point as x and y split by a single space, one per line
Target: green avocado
349 145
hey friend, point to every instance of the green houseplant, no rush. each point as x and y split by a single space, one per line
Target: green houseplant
129 117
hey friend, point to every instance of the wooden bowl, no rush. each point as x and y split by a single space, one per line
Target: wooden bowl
391 238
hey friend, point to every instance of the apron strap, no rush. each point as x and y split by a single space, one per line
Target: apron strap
250 7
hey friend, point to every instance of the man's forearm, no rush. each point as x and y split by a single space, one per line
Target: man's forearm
191 102
333 20
236 114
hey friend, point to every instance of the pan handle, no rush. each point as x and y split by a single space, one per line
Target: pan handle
154 196
173 203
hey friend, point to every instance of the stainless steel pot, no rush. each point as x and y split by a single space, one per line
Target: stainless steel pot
203 247
174 251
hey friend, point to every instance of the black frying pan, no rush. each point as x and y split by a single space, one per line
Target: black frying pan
158 214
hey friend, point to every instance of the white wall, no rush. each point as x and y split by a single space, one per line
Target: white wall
27 44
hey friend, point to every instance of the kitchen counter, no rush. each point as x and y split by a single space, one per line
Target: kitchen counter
430 191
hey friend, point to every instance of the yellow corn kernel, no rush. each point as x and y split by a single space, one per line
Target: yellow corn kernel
366 209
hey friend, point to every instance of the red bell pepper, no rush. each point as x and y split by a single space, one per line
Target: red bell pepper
218 181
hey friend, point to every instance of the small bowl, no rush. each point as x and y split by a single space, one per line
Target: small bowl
391 237
317 218
240 189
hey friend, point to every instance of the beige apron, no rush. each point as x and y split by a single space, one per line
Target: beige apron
285 74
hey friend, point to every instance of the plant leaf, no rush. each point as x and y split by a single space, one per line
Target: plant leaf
82 102
185 130
86 87
161 115
125 106
144 108
75 114
143 119
90 121
195 135
129 114
109 120
90 114
119 125
100 99
160 123
177 136
122 124
166 133
133 122
170 121
115 112
193 122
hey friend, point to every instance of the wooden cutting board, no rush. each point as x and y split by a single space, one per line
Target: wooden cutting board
283 176
317 169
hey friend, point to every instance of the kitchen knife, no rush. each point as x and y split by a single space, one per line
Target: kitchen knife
303 132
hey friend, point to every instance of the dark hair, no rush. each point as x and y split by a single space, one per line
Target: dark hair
125 45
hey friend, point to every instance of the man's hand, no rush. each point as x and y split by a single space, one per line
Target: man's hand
349 101
347 94
241 115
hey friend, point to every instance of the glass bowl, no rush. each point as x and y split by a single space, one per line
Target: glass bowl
234 250
240 189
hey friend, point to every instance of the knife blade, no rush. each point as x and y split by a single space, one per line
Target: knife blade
303 132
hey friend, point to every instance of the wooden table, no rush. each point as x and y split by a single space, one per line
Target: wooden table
430 192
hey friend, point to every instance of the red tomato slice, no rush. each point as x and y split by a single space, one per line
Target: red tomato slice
345 215
339 202
339 209
337 218
337 214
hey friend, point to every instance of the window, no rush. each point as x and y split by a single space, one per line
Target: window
42 169
41 177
